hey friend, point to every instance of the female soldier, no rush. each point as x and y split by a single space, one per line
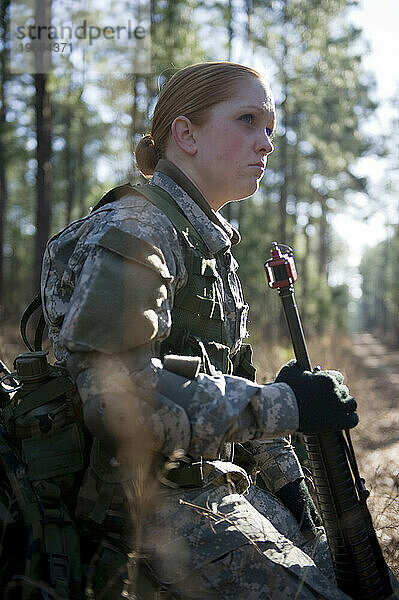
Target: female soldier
142 294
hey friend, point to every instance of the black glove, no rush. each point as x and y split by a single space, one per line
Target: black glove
296 497
324 403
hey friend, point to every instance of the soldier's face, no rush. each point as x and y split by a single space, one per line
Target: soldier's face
233 143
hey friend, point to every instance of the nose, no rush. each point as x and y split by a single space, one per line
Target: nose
265 145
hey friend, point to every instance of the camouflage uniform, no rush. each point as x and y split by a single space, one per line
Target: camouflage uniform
108 286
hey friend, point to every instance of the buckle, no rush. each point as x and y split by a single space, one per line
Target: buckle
59 571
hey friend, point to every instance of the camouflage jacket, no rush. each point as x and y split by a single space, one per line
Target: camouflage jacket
108 287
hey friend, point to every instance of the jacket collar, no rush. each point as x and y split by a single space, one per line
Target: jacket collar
213 228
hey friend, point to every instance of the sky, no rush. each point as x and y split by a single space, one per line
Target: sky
379 20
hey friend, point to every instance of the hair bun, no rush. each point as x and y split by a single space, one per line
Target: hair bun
147 155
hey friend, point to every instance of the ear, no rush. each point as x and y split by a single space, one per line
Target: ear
183 134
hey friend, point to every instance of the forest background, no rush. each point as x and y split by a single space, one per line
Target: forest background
68 135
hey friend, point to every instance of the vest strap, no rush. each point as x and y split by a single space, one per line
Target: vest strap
35 305
45 393
105 495
166 203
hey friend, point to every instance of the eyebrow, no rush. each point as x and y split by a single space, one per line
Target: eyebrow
262 109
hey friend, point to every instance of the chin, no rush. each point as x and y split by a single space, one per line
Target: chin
243 191
250 192
252 188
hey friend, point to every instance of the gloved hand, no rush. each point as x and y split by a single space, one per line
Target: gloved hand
296 497
324 403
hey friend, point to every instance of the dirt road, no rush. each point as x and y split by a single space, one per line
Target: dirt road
374 381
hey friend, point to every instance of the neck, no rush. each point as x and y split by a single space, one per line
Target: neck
190 172
170 169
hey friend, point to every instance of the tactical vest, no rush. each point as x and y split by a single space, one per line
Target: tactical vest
198 313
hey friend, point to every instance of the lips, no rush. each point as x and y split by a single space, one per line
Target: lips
259 164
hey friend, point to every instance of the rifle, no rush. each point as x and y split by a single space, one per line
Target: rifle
359 565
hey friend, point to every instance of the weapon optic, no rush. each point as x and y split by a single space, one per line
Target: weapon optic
359 565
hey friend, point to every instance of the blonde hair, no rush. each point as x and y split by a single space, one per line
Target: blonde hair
190 93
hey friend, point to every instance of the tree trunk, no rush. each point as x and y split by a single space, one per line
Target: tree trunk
283 143
82 179
230 31
324 241
3 156
304 275
43 175
43 149
69 164
134 114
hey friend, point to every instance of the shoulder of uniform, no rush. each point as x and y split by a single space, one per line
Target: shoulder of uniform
136 229
135 207
132 227
133 247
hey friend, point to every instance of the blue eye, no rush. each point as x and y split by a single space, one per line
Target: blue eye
248 118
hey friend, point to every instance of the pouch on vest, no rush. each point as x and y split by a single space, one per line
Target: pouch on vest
243 366
44 419
102 492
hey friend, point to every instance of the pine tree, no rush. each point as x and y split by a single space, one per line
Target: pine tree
5 4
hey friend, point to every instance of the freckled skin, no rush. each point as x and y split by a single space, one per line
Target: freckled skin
235 135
